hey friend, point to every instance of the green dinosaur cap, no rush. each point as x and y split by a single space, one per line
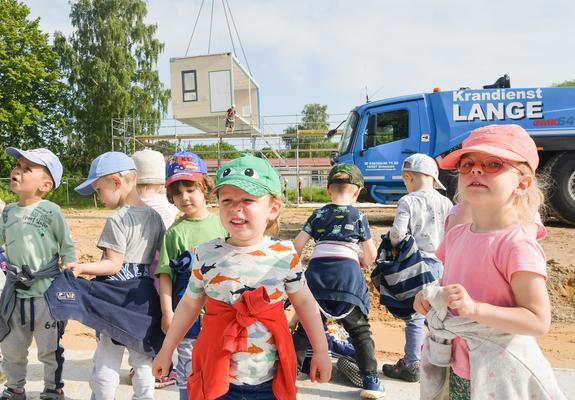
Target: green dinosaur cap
251 174
353 173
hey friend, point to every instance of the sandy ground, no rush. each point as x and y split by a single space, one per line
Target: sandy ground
558 345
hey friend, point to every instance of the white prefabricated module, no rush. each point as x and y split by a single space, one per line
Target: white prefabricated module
204 87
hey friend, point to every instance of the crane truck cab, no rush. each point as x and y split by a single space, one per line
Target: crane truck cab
377 136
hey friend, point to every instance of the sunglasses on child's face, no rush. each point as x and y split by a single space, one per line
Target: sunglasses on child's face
490 165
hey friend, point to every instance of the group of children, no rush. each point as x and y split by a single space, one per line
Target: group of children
233 273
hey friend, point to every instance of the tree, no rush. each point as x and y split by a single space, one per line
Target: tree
210 151
109 63
31 102
305 135
565 83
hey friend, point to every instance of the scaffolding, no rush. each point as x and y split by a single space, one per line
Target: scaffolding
298 152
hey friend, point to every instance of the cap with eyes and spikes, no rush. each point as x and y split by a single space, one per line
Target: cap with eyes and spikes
253 175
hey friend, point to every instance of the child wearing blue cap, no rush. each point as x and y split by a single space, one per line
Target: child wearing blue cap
245 349
129 242
188 187
36 238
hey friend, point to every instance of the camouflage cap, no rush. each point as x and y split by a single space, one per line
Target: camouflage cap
353 173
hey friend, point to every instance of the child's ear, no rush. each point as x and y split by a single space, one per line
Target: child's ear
46 185
117 180
525 183
275 208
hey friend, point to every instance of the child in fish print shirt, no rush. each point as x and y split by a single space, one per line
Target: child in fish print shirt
245 348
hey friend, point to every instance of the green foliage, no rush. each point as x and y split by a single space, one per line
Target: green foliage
31 101
316 195
109 63
565 84
314 119
210 151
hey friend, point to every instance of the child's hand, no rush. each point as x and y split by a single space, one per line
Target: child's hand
167 321
421 305
458 299
75 267
320 367
162 363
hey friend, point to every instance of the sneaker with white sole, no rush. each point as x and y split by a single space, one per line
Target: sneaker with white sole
10 394
372 388
52 394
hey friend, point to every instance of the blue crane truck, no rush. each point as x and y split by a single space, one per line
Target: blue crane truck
377 136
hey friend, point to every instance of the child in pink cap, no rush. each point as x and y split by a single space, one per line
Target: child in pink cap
495 271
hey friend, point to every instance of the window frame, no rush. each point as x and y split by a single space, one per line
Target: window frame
368 144
195 90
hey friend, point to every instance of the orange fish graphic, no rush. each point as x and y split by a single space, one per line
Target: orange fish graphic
198 275
219 278
276 294
294 261
257 253
253 349
271 340
279 247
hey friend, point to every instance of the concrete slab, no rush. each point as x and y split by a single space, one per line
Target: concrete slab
78 367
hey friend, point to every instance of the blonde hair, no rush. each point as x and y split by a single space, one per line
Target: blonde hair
532 202
273 226
128 177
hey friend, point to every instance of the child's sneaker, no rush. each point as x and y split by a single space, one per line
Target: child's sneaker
372 388
401 370
10 394
350 371
52 394
165 380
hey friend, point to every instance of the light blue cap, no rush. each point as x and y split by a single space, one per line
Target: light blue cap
43 157
105 164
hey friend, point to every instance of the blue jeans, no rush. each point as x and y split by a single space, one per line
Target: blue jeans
414 334
263 391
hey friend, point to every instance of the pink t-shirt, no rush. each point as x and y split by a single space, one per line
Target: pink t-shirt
483 263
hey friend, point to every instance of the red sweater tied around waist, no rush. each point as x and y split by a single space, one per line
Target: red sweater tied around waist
224 331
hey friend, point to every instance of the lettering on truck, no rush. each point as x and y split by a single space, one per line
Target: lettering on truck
490 105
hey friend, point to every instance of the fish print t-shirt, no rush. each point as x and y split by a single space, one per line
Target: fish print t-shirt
223 272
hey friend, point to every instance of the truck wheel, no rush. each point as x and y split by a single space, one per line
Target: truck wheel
561 169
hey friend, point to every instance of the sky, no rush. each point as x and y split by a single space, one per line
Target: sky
328 52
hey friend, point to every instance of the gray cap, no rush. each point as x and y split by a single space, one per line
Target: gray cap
423 164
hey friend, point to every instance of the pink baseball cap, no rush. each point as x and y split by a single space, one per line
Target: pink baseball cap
511 142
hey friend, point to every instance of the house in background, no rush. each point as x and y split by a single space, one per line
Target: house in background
204 87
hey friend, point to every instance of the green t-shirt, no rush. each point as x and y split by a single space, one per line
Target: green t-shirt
186 234
33 235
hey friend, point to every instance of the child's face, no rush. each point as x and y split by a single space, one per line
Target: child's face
27 178
487 189
190 200
107 189
244 216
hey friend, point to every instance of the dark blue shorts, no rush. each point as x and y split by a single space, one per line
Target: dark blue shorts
263 391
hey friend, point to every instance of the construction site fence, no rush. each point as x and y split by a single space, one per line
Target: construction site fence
314 190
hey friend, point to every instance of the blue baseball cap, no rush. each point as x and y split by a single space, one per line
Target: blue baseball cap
42 157
105 164
185 166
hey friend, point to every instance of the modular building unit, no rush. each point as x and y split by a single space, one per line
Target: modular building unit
204 87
